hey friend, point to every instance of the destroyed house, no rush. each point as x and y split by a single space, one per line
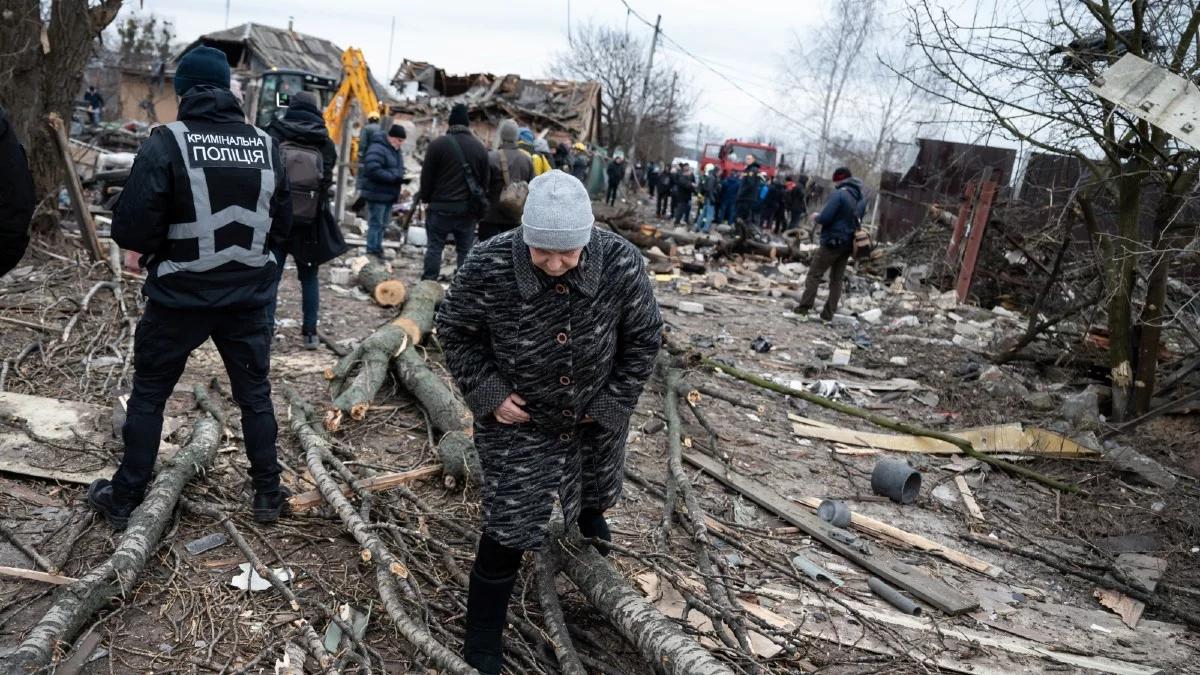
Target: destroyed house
269 61
558 110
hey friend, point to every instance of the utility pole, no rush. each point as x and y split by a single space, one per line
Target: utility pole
670 137
391 43
641 109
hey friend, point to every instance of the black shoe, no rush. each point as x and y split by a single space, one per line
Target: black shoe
802 310
593 526
100 496
827 314
487 614
268 506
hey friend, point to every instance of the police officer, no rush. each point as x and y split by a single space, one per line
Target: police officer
206 202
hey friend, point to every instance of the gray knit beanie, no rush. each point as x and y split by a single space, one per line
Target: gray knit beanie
508 131
558 213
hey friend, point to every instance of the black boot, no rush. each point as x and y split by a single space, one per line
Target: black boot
115 509
593 526
268 506
487 612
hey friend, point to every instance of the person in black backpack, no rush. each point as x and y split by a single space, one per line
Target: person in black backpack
454 180
309 156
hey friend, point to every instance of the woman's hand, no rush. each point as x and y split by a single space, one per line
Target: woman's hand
511 412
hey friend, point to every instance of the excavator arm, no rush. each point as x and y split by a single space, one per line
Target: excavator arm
356 84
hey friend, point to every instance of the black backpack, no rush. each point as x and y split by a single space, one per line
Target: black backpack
477 203
305 169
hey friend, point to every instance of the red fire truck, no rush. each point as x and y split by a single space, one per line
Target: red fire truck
731 156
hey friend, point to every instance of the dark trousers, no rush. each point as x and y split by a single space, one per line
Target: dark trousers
769 217
162 343
727 212
796 216
826 259
439 226
682 210
611 197
310 293
661 206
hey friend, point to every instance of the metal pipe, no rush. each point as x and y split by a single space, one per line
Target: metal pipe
894 597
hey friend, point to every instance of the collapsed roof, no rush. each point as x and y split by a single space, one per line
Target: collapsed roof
557 105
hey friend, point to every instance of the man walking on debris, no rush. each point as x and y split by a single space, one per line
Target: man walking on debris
839 219
666 183
16 199
381 178
454 182
206 202
550 332
616 174
685 188
796 203
309 156
508 164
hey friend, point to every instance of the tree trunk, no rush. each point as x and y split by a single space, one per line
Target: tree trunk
377 282
42 70
117 575
1154 314
1122 273
447 414
373 355
660 640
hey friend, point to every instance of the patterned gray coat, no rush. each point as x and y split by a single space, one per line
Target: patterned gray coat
582 345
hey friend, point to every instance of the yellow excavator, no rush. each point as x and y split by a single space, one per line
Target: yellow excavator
356 84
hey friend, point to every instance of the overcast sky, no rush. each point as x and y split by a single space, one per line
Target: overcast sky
743 41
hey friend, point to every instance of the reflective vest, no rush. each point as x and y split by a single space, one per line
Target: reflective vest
228 147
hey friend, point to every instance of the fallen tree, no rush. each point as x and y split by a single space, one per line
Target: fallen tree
377 281
447 414
371 357
117 576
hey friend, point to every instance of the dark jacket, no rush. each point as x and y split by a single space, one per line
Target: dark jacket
304 125
795 200
382 172
16 198
616 172
580 165
442 180
666 180
710 188
684 186
774 198
158 194
842 214
580 345
368 132
729 189
520 168
752 183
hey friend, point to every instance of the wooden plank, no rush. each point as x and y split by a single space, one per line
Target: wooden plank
35 575
883 565
998 438
87 226
381 483
968 497
877 527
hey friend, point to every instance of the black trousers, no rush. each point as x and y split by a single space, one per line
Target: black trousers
439 227
611 197
661 205
164 340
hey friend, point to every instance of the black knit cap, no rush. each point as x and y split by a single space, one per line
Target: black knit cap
202 65
397 131
458 115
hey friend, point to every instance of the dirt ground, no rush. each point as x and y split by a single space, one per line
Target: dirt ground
185 616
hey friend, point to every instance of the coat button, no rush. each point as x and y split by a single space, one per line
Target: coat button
561 338
564 380
561 289
568 413
564 437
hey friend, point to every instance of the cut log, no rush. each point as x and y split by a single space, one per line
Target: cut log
117 575
375 352
447 413
376 280
660 640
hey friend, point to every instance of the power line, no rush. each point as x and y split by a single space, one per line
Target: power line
666 38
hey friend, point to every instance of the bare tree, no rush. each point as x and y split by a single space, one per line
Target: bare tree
617 60
44 46
1026 77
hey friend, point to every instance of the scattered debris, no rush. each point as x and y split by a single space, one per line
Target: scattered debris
896 480
248 579
206 543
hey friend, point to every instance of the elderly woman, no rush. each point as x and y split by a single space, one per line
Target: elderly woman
550 331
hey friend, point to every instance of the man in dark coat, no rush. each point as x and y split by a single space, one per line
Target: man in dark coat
520 168
729 195
16 198
651 178
747 197
95 105
616 174
772 205
454 182
666 184
382 176
796 203
303 126
839 219
685 188
581 162
206 203
550 332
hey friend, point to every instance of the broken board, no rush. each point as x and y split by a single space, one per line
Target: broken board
883 565
998 438
37 434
